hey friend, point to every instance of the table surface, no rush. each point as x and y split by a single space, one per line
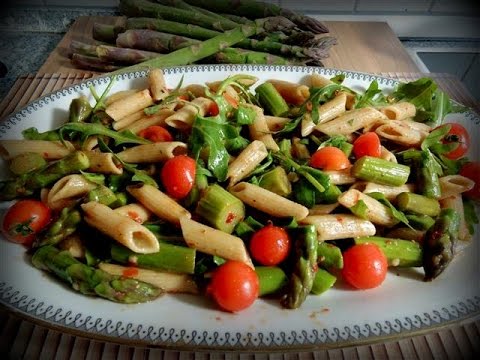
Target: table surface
22 338
362 46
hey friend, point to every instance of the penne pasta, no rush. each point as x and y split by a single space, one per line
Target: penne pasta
326 112
268 202
214 242
67 191
403 132
390 192
120 228
167 281
340 226
50 150
276 123
259 130
340 177
322 209
387 155
129 105
134 211
103 163
119 95
151 153
293 93
73 244
156 84
399 111
376 212
246 161
128 120
452 185
149 120
351 121
318 81
299 150
183 119
455 202
159 203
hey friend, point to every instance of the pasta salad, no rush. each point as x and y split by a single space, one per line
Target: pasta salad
239 189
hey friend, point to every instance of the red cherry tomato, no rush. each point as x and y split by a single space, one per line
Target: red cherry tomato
213 109
234 286
471 170
364 266
329 158
270 245
24 220
156 133
178 176
367 144
457 135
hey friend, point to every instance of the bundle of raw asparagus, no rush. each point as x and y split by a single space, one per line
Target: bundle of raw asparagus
156 33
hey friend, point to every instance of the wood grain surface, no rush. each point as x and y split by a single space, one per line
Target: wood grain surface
362 46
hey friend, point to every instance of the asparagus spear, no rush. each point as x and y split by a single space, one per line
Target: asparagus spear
241 56
124 55
60 229
150 9
106 32
256 9
92 281
80 109
439 242
209 47
305 267
93 63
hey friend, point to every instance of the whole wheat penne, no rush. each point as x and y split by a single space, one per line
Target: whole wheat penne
322 209
134 211
386 154
318 81
68 190
214 242
259 129
196 90
50 150
119 95
452 185
351 121
167 281
351 99
326 112
229 90
340 226
120 228
158 203
340 177
156 83
455 202
399 111
246 161
89 144
129 105
390 192
103 163
149 120
151 153
268 202
299 150
402 132
183 118
293 93
128 120
376 212
73 244
276 123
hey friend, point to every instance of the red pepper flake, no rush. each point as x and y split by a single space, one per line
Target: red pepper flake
325 310
130 272
230 217
45 154
309 106
134 216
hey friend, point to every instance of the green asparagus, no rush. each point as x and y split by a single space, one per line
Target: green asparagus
380 171
322 282
305 266
272 279
93 63
329 256
80 109
417 204
91 281
66 224
26 162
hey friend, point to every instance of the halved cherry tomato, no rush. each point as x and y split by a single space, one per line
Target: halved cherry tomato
270 245
471 170
213 109
24 220
457 135
234 286
156 133
329 158
364 266
178 176
367 144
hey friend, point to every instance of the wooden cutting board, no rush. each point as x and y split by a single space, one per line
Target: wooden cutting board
362 46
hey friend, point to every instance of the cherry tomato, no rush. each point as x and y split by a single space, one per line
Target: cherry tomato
364 266
329 158
178 176
24 220
270 245
234 286
156 133
457 135
213 109
471 170
367 144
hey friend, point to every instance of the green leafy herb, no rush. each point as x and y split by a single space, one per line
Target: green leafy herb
32 133
372 97
245 115
95 178
397 214
85 130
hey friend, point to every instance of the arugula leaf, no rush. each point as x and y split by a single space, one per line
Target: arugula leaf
338 79
290 126
32 133
338 141
245 115
100 105
85 130
360 209
211 133
435 137
317 178
397 214
418 92
95 178
372 97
